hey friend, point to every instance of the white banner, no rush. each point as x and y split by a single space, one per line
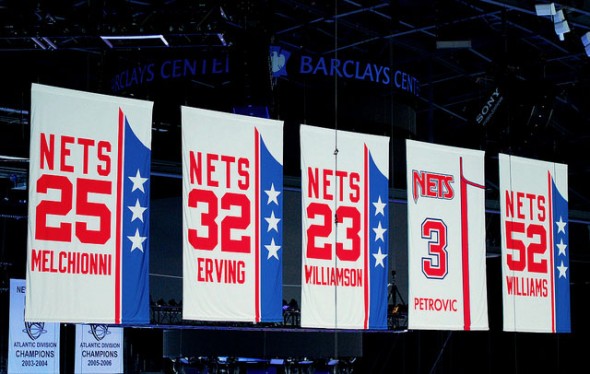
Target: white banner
344 178
232 217
446 238
88 245
535 252
99 349
33 347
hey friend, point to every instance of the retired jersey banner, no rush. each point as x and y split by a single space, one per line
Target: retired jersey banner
88 245
33 347
446 238
232 217
345 224
535 252
99 349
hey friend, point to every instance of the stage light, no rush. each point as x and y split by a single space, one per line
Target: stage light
333 362
560 24
277 361
586 41
545 9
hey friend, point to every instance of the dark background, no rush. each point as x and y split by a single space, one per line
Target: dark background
544 115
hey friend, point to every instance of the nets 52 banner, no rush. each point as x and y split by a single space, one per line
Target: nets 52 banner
232 225
88 247
446 238
33 347
535 252
345 220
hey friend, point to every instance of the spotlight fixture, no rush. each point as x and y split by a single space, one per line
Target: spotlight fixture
586 42
560 24
545 9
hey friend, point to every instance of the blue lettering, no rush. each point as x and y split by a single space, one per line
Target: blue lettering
335 64
378 71
396 79
177 69
306 66
321 66
217 67
345 66
386 77
191 66
163 69
368 72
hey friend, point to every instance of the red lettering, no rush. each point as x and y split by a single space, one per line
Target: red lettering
65 153
86 144
433 185
211 169
104 149
47 151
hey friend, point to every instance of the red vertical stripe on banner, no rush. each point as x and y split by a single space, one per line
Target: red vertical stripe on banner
366 218
465 250
119 218
257 225
551 251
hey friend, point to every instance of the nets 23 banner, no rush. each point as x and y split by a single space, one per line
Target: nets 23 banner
232 226
345 267
535 252
88 247
446 238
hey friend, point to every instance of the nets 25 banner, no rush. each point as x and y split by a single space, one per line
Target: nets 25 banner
88 248
232 226
446 238
535 252
345 194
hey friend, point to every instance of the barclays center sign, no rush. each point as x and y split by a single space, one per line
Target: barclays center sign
371 72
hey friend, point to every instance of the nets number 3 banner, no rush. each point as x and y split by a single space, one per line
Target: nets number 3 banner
345 229
232 226
88 250
535 253
446 238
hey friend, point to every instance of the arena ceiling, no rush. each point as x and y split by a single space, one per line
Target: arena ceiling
466 55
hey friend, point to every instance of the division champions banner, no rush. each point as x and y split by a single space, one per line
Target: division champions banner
446 238
33 347
232 217
88 245
99 349
535 252
345 222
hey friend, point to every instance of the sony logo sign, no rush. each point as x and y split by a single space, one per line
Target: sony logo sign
489 107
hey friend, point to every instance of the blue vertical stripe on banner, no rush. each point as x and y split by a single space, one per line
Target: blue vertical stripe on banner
561 261
135 231
378 246
271 237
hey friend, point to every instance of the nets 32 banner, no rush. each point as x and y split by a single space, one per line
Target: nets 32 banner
446 238
233 208
345 221
88 247
535 252
33 347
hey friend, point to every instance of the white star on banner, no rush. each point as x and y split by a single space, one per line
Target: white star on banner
562 246
379 256
560 225
272 222
562 269
379 205
379 231
137 211
272 194
137 241
273 249
138 182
